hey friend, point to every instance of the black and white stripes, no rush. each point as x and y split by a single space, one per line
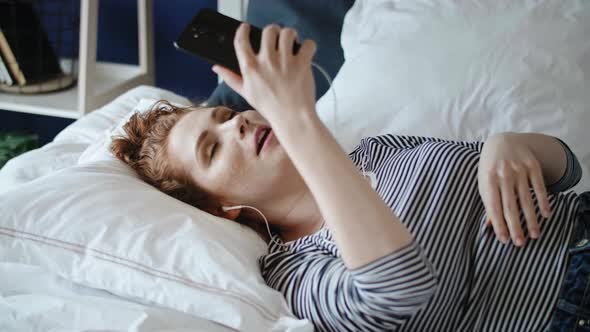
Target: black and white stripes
455 276
573 172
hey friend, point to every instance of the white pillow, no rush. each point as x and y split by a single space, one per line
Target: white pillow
464 70
129 235
99 225
36 163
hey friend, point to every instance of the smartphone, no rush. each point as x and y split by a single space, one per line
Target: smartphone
210 36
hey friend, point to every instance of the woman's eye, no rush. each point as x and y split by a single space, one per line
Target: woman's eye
213 150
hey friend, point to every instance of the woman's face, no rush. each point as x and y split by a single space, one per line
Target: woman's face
218 148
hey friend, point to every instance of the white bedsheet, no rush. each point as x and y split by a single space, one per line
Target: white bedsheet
32 299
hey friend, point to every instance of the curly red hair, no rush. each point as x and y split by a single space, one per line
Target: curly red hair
145 149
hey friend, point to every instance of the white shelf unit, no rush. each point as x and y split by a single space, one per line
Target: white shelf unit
98 82
233 8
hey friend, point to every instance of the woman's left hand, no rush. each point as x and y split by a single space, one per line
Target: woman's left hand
507 169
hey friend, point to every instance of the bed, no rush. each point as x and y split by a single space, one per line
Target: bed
85 245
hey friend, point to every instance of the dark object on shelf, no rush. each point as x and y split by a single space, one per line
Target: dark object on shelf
31 39
14 144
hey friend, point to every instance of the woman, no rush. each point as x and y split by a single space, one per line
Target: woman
411 247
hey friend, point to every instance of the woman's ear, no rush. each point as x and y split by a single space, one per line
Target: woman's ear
232 214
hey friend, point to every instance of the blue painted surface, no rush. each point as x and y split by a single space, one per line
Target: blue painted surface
117 42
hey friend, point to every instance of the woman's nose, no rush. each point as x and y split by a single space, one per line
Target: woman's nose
240 124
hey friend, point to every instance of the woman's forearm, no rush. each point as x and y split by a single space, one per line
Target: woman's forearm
549 152
364 227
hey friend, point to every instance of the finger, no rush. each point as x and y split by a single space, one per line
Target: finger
511 214
244 52
307 50
536 179
528 207
230 78
493 205
287 38
268 44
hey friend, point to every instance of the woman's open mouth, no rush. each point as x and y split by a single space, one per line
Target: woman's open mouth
264 139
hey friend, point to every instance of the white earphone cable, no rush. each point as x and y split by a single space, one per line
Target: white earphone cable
227 208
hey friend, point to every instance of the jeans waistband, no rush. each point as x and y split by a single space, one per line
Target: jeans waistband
581 234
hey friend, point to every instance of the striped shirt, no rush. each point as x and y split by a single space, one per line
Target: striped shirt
454 276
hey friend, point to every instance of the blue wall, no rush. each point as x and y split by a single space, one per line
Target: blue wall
117 42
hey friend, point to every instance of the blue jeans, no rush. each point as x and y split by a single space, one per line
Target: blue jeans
572 312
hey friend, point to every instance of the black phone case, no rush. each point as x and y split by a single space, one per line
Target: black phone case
210 35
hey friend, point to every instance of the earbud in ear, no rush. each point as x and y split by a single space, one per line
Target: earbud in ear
227 208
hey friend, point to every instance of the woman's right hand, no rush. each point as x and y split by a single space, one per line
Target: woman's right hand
276 82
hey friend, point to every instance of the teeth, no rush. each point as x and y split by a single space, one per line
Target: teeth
261 137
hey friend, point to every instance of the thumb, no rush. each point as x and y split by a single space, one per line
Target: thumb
229 77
